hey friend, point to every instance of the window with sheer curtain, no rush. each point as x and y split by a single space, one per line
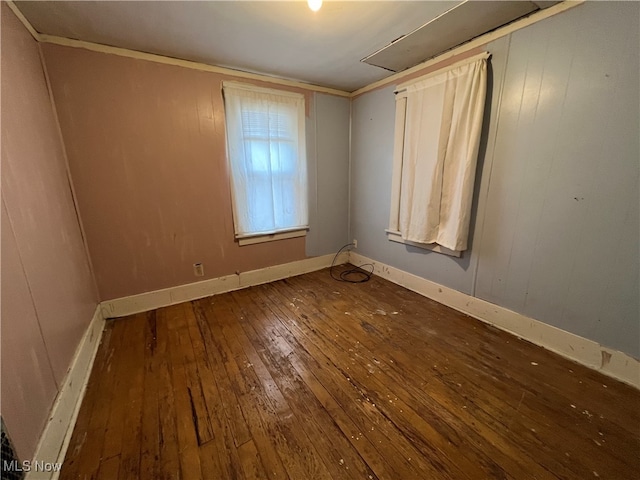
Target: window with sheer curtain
437 135
267 157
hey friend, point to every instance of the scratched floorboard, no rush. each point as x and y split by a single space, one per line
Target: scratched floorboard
309 378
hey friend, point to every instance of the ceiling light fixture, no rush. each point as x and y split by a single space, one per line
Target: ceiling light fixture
314 5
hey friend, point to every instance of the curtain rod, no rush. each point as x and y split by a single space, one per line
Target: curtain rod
479 56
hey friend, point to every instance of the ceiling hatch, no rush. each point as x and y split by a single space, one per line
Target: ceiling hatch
454 27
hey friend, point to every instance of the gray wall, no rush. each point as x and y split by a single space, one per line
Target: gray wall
328 154
555 230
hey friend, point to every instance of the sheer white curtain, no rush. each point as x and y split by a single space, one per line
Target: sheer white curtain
442 126
267 156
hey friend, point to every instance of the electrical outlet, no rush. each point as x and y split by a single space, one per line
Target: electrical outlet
198 270
355 243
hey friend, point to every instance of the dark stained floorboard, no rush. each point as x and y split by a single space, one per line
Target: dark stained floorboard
310 378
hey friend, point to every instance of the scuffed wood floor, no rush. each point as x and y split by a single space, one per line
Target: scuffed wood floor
309 378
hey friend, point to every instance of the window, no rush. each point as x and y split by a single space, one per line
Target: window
267 157
437 135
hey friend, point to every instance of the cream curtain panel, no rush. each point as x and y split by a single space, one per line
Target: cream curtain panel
267 156
442 125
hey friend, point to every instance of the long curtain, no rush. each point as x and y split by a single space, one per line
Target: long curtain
441 137
266 147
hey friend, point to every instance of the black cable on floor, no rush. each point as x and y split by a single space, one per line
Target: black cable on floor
352 275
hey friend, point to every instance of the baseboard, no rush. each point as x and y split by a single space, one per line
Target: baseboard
143 302
610 362
55 439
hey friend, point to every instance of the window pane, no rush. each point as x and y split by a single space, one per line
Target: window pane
258 153
260 203
283 157
267 124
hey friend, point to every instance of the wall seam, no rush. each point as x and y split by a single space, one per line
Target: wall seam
316 161
74 198
33 303
349 229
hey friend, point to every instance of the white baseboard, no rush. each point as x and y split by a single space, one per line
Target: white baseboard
610 362
55 439
143 302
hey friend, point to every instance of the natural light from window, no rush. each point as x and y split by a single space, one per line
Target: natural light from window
265 136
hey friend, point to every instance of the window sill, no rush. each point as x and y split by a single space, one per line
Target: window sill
434 247
271 237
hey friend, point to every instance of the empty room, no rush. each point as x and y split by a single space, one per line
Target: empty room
320 240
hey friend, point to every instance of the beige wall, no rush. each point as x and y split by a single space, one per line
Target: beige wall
146 149
48 297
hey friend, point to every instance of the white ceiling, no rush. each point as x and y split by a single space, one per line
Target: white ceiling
284 39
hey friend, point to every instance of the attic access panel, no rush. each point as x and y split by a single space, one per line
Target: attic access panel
456 26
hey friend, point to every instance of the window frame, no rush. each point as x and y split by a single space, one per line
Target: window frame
251 238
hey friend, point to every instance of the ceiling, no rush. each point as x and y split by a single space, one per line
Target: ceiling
284 39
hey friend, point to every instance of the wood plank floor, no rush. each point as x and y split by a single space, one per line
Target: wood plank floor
310 378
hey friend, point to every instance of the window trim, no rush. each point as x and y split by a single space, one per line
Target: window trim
395 236
272 236
251 238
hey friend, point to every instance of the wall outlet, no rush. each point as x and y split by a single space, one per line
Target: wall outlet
198 270
355 243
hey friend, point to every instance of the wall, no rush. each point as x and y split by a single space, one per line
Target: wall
329 174
146 148
555 215
561 241
48 295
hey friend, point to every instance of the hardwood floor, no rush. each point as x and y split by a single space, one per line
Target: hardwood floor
310 378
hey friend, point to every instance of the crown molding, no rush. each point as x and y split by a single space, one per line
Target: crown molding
16 11
395 78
